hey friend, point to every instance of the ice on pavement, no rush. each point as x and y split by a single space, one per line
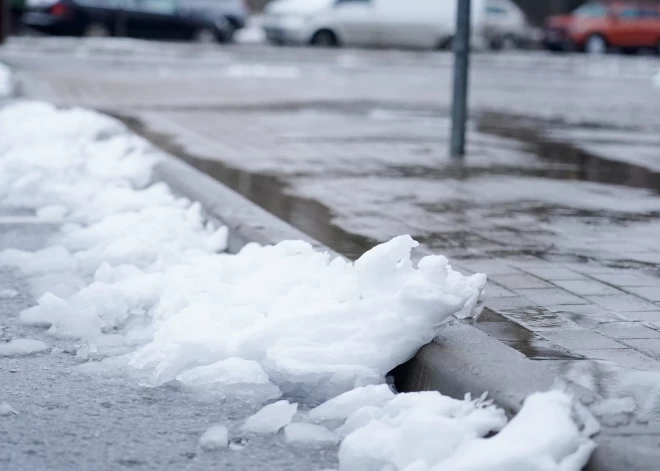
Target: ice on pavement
216 437
20 347
271 418
309 434
140 273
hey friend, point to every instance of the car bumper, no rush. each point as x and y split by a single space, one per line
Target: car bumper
47 23
281 35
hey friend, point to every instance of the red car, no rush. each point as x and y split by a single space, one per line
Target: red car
597 26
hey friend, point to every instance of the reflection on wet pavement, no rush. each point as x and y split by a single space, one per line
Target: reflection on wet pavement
567 238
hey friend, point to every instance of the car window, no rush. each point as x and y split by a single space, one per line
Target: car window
630 13
495 10
591 10
651 13
165 7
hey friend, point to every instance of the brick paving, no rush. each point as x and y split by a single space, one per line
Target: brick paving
572 260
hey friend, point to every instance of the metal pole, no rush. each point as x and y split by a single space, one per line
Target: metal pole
461 45
4 20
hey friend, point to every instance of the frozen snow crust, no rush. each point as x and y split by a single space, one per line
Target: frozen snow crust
140 277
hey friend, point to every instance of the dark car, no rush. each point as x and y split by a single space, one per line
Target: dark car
150 19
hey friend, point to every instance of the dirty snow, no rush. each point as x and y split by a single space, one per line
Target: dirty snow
216 437
20 347
138 275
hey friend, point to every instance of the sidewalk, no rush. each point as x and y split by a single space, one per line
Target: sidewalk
565 228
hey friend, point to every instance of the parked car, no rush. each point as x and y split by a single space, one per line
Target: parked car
598 26
391 23
204 20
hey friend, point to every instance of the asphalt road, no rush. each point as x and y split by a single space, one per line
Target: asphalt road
73 420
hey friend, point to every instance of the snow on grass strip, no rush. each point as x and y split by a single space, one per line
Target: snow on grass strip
138 274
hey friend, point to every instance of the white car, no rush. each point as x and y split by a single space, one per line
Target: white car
427 24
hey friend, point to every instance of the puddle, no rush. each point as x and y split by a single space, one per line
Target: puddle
587 166
270 193
519 338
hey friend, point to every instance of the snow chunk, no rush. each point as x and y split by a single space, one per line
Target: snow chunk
346 404
215 437
412 427
271 418
20 347
309 434
232 376
542 437
8 293
6 409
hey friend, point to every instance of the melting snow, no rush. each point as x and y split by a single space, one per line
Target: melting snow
136 269
271 418
6 410
20 347
8 293
215 437
309 434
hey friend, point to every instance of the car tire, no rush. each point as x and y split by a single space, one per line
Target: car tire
324 38
595 44
97 30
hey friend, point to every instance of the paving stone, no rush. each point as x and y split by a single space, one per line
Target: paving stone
490 267
587 287
644 316
507 303
495 291
555 273
627 330
625 279
521 281
582 340
650 347
550 296
623 303
626 358
646 292
538 319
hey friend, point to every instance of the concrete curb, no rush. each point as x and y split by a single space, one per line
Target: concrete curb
462 359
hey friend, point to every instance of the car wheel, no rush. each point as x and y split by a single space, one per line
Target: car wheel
205 36
324 38
595 44
657 48
96 30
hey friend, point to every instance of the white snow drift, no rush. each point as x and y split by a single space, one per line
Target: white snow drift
138 274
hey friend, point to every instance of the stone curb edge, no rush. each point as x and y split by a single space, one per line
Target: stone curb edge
462 359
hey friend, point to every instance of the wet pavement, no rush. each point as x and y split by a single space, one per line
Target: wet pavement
557 201
68 418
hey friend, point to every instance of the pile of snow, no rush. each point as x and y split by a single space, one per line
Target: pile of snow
141 277
6 81
656 79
